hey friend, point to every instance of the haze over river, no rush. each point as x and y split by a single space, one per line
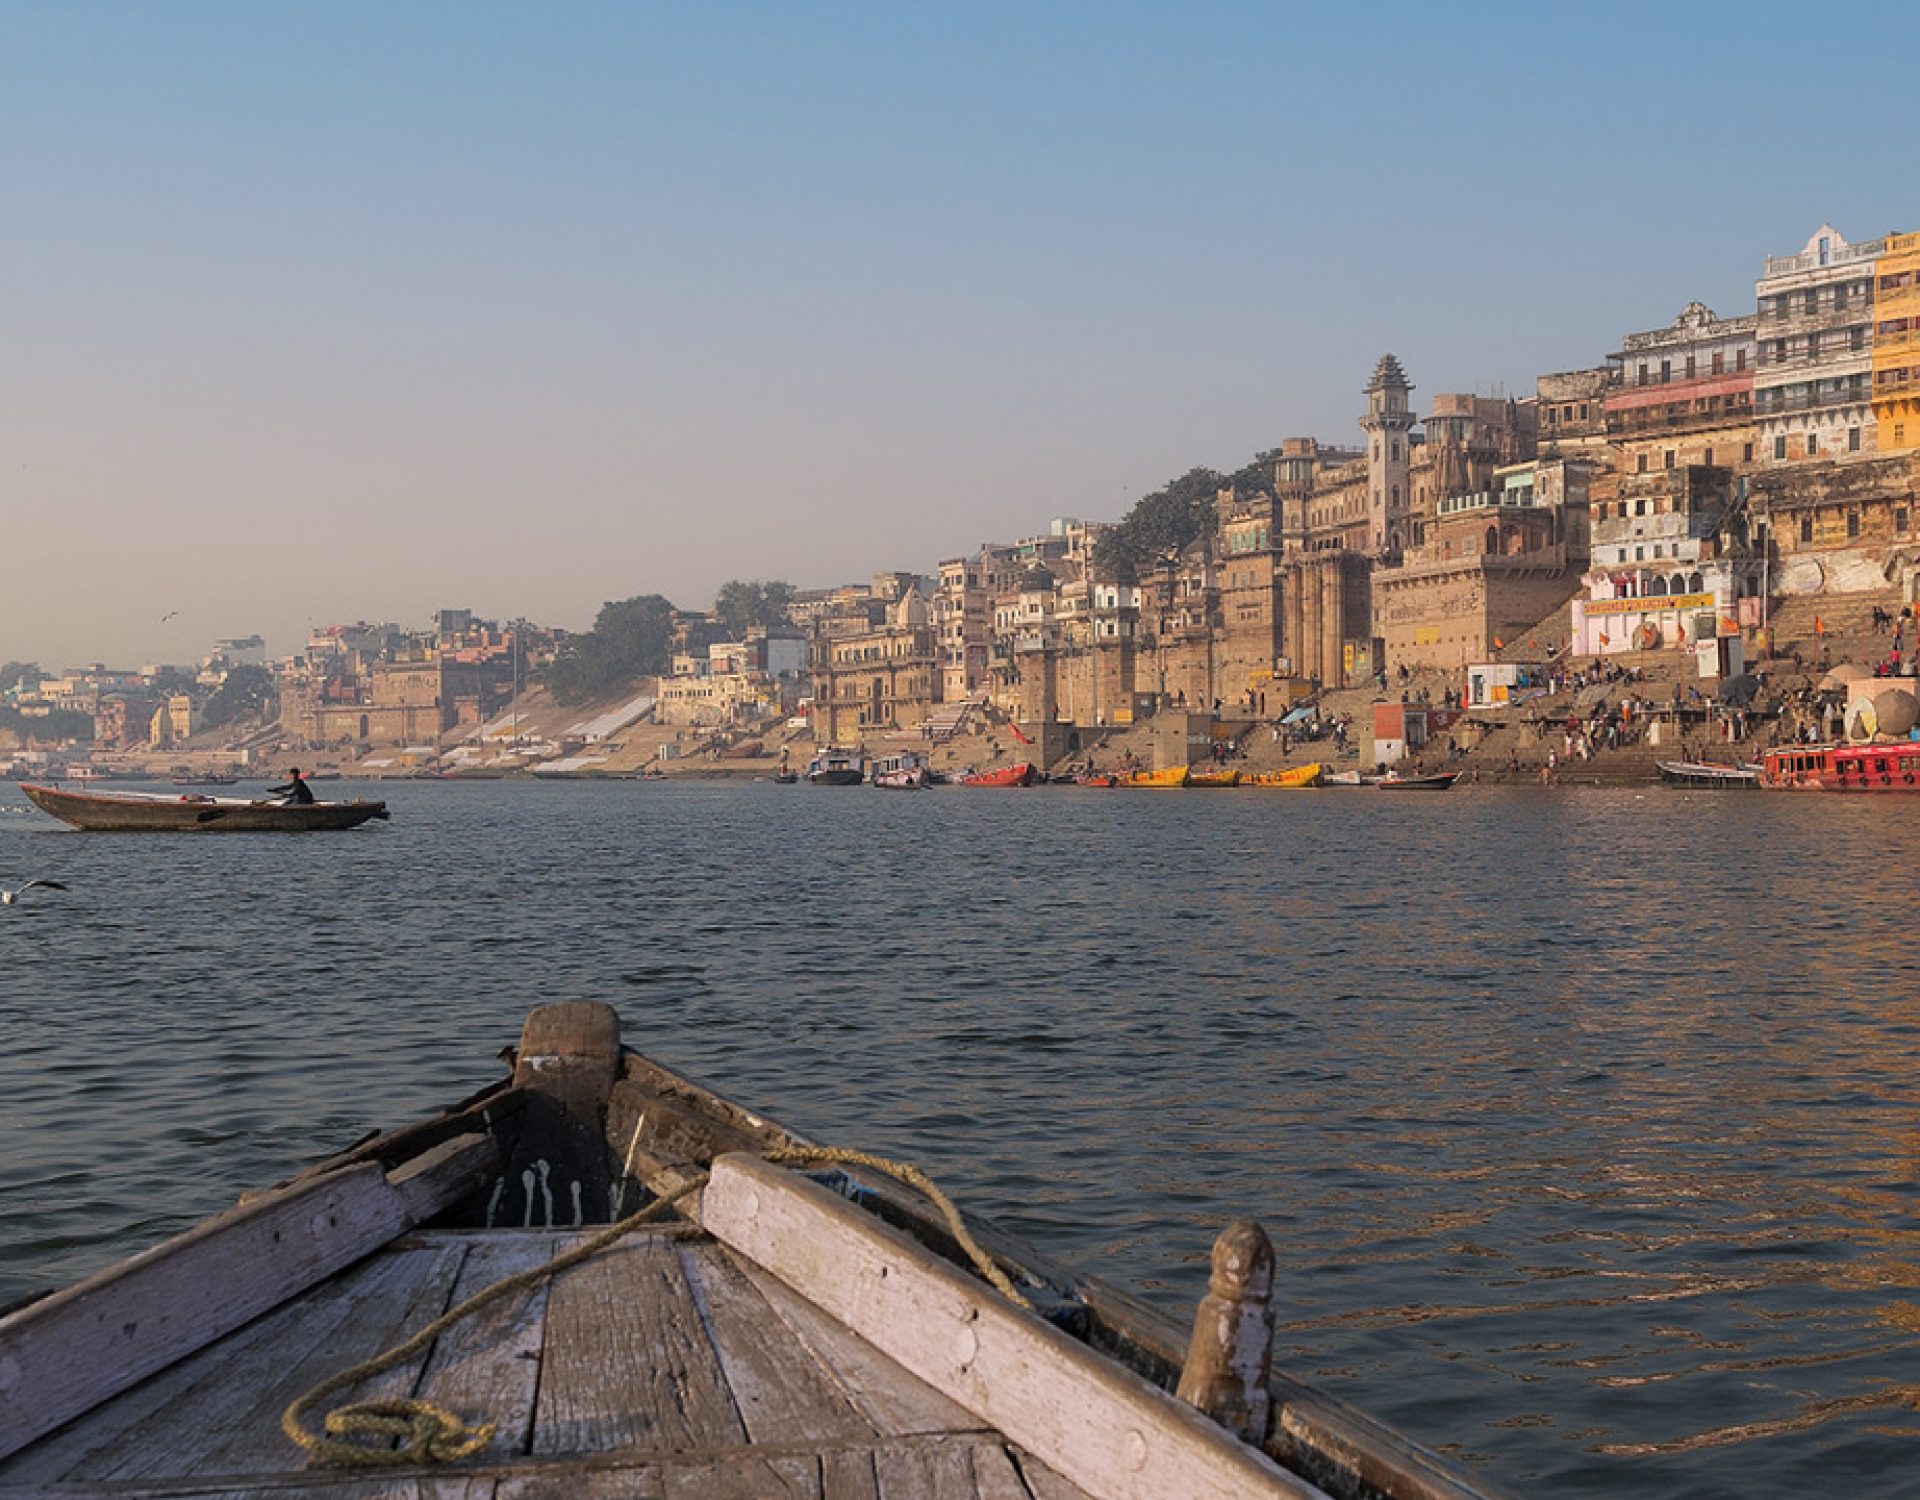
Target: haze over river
1585 1123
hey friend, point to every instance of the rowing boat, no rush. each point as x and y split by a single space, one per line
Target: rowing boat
1167 776
1433 781
157 812
781 1319
1020 773
1295 776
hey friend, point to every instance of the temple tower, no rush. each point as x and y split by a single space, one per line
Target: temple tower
1388 421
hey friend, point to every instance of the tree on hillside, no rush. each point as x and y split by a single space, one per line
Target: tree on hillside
1167 522
19 674
248 694
741 606
630 639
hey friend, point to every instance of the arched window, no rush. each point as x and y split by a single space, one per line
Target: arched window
1493 539
1695 584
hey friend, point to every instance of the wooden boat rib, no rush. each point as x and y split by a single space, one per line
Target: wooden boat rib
802 1332
153 812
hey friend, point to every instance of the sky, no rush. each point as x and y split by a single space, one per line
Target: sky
319 313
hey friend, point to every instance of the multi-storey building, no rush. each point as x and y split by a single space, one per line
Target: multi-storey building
1812 381
1573 414
877 677
1896 344
1683 394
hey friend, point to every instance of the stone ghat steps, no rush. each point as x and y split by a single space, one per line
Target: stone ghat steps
1847 632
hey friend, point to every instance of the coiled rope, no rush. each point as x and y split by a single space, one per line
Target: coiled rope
360 1434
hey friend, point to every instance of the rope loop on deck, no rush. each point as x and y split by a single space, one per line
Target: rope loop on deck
363 1434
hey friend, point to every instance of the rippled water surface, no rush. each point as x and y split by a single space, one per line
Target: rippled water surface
1584 1124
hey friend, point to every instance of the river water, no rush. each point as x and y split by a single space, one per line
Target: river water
1586 1124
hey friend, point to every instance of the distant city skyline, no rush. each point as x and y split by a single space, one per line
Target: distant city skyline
315 315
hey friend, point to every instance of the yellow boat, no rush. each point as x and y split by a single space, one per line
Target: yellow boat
1171 776
1212 778
1294 776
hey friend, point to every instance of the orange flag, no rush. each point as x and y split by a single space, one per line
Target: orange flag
1498 644
1819 628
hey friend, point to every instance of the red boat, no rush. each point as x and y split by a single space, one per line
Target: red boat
1843 768
1019 774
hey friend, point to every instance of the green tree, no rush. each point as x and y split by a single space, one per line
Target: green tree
248 694
741 606
19 674
630 639
1167 522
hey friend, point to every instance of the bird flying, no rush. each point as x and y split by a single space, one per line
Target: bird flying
168 615
9 898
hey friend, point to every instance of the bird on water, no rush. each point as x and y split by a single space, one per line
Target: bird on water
10 898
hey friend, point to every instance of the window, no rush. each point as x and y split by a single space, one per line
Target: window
1806 529
1840 297
1658 550
1857 340
1643 376
1812 300
1719 361
1707 458
1639 507
1666 371
1900 519
1853 523
1853 440
1639 554
1746 456
1689 367
1780 447
1739 359
1669 458
1813 346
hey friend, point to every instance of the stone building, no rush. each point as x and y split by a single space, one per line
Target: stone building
1843 527
880 677
1492 563
1812 381
1683 394
1573 414
1896 345
1388 425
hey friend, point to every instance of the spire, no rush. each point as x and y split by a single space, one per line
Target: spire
1388 375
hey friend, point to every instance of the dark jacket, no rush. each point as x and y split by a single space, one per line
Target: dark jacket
295 790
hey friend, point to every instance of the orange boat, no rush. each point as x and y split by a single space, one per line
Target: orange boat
1021 773
1843 768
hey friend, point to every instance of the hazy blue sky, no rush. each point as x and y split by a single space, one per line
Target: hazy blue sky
310 313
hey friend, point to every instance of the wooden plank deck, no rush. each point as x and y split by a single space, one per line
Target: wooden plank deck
666 1368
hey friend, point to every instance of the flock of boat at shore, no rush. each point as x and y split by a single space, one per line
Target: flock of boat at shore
908 771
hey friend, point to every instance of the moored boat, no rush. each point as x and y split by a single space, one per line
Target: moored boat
1167 776
155 812
1708 774
1293 776
777 1318
902 771
1020 773
1842 768
836 767
1433 781
1207 778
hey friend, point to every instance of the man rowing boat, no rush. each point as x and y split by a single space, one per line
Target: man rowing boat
296 791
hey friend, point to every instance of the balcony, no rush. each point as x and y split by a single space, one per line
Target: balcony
1788 265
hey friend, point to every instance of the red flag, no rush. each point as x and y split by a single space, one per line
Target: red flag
1819 627
1014 729
1605 639
1498 644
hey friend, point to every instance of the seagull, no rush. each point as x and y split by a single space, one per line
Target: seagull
9 898
168 615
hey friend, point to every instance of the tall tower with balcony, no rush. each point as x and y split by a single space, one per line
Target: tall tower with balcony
1388 422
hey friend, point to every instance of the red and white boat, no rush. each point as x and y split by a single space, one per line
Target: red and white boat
1843 768
1021 773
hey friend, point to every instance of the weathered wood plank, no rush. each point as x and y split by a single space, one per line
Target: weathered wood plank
628 1362
487 1366
1044 1483
995 1477
746 1476
1096 1425
924 1472
848 1475
639 1482
65 1354
230 1423
782 1393
896 1401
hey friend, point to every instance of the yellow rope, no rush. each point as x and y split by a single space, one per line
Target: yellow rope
429 1433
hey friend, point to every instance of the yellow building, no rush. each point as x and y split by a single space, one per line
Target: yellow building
1896 344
